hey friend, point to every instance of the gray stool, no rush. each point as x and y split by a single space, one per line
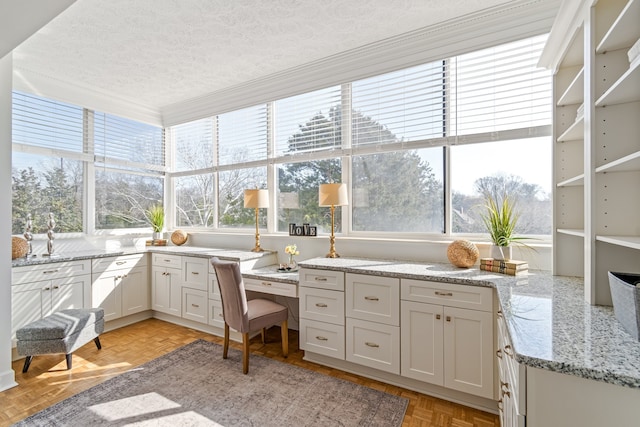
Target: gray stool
62 332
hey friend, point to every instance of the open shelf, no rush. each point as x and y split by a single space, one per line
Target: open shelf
632 242
624 31
571 231
575 92
572 182
624 164
625 89
574 132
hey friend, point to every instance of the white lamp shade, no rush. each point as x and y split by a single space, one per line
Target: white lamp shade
333 194
256 198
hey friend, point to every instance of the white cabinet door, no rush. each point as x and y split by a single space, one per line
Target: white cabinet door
135 291
468 351
422 342
107 294
166 291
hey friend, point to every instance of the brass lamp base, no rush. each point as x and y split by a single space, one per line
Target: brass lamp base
332 239
257 248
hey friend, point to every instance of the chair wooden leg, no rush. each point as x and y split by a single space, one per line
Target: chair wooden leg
245 352
263 332
284 330
225 348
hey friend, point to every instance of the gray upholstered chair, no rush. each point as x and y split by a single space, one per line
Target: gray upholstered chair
246 316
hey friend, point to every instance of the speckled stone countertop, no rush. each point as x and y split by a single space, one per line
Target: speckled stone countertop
550 325
226 254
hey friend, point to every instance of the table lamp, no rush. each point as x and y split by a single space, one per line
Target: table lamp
256 199
333 195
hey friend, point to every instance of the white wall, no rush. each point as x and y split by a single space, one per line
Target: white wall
7 376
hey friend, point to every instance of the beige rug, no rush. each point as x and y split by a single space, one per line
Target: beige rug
194 386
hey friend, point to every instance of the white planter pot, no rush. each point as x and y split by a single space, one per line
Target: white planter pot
502 253
157 235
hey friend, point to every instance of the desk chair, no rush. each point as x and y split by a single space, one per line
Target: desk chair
246 316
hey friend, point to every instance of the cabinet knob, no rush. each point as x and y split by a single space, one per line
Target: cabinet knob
508 350
321 305
448 318
504 386
438 316
500 405
499 353
371 344
372 298
321 338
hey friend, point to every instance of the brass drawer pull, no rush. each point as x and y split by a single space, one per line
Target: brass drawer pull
504 386
506 393
448 318
195 305
167 260
499 353
46 289
321 338
120 262
444 294
438 316
195 272
371 344
372 298
265 284
320 279
56 287
508 350
321 305
50 271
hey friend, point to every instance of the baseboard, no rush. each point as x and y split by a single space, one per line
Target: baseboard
7 380
455 396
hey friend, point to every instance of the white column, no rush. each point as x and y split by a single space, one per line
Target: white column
7 376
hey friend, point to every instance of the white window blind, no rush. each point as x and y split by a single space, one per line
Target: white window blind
242 135
405 105
193 144
309 122
127 143
46 123
500 89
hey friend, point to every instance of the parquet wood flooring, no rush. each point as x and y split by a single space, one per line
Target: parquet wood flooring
48 381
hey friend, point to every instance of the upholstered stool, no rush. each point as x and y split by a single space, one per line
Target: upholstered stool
62 332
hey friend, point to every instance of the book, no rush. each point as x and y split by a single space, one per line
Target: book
508 271
157 242
512 263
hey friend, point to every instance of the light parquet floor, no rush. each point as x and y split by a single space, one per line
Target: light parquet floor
48 381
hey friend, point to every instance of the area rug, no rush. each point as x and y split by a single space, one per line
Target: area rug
194 386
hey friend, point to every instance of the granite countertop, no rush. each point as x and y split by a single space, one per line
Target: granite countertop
550 325
196 251
272 273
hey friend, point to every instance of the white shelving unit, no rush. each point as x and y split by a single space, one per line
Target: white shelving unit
597 152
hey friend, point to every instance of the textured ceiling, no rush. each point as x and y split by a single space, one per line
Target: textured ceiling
161 52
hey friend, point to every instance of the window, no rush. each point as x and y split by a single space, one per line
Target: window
242 136
231 186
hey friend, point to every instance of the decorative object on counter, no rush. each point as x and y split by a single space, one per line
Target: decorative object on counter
179 237
302 230
19 247
333 195
156 242
291 250
501 219
256 199
463 253
510 267
625 293
155 215
51 224
27 233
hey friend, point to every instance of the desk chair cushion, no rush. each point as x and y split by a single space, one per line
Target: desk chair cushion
264 313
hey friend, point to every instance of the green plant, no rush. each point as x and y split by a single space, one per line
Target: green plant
500 219
155 215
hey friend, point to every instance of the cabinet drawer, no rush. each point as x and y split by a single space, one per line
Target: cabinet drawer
215 317
271 287
98 265
513 373
463 296
374 345
322 338
323 279
214 290
54 270
322 305
194 305
373 298
162 260
195 273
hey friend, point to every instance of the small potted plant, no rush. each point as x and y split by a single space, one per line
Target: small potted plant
155 215
501 219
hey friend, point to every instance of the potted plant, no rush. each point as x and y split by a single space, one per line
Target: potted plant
500 219
155 215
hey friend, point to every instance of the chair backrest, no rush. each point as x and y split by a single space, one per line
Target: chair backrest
234 300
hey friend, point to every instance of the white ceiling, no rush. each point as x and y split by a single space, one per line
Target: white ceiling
163 52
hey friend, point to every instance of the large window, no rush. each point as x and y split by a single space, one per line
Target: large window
417 147
58 148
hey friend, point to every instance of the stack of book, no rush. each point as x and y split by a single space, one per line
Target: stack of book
157 242
511 267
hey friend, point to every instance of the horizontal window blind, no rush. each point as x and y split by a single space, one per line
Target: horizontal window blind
193 144
46 123
405 105
242 135
125 142
500 89
309 122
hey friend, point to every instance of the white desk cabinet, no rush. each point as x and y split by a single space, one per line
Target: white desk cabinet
39 290
166 284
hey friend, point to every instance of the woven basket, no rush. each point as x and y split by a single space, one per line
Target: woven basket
19 247
463 253
179 237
